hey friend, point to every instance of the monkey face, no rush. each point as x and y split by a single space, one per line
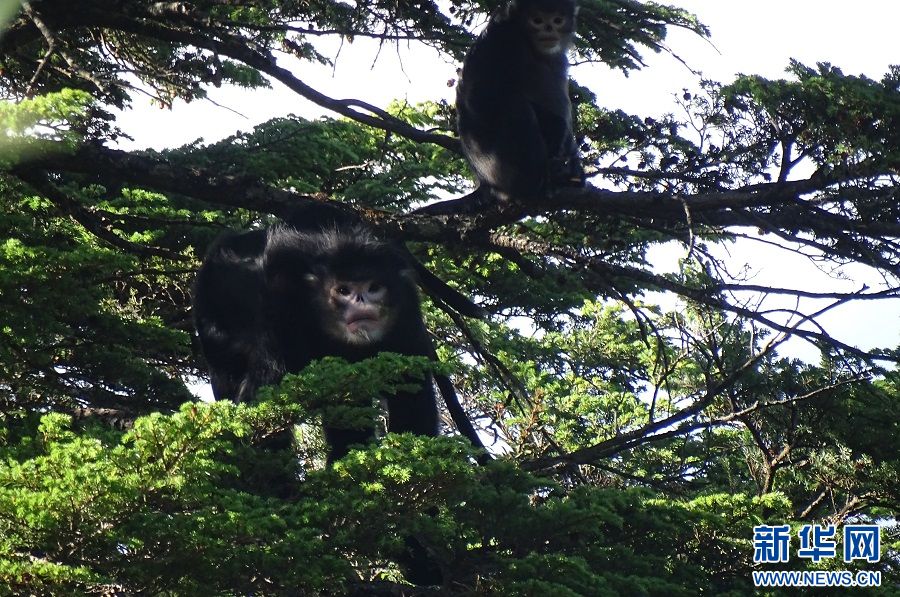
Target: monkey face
360 310
550 31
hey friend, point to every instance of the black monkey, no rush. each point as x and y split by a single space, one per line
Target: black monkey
515 116
268 302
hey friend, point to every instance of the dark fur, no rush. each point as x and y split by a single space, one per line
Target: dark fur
258 318
515 115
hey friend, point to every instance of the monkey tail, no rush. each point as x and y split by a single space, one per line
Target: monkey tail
459 417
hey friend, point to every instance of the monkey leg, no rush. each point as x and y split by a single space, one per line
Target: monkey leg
508 152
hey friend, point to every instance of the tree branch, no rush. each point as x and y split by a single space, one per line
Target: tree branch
238 49
729 208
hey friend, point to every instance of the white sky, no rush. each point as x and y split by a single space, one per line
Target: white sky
747 37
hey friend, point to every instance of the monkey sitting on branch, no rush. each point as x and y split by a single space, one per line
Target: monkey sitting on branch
515 115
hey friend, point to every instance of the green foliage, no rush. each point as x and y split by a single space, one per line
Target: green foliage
75 312
647 422
348 161
635 24
167 507
827 113
344 394
154 510
44 116
27 126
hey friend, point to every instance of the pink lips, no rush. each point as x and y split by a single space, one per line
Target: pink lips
357 322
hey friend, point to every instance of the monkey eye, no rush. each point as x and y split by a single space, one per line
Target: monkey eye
558 20
375 287
343 290
537 20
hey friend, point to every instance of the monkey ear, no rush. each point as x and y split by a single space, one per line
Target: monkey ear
284 267
408 273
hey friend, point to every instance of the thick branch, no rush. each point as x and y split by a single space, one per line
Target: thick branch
730 208
724 209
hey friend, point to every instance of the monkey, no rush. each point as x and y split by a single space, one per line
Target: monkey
513 107
268 302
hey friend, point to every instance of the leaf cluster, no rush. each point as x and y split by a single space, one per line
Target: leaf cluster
651 403
156 510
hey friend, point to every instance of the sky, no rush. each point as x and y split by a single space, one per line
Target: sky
759 40
757 37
